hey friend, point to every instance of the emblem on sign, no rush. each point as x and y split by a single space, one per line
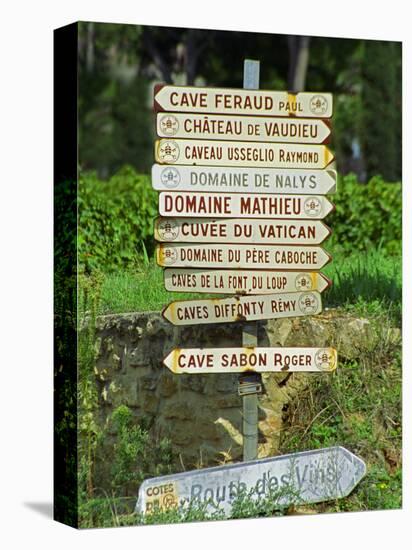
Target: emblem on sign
168 255
169 125
312 206
303 282
168 230
308 303
319 105
325 359
170 177
168 151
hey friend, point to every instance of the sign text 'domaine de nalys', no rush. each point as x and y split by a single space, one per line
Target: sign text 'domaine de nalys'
241 179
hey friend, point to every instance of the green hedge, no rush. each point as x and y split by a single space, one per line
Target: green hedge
366 215
116 218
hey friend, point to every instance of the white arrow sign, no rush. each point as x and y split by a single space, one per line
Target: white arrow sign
243 180
255 231
241 256
242 153
191 99
232 281
243 308
299 478
221 127
235 360
226 205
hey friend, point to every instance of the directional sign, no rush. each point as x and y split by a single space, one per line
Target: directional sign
191 99
236 256
227 281
209 179
299 478
234 360
226 205
241 153
221 127
240 230
243 308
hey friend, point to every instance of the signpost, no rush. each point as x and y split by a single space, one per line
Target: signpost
299 478
210 179
243 308
221 127
243 174
232 281
242 153
249 101
241 256
240 230
226 205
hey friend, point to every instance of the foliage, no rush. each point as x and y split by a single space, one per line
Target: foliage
381 108
358 406
367 215
136 455
115 220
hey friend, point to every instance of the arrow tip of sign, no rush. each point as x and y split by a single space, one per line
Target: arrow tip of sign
166 313
324 282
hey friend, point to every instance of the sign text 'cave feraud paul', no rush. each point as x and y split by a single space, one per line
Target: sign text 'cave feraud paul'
193 99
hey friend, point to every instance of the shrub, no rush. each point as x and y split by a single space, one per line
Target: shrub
367 215
115 220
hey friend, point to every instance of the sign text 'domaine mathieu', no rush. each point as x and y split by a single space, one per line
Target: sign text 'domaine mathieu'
242 102
225 205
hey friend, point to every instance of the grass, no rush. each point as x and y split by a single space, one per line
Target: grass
358 407
369 282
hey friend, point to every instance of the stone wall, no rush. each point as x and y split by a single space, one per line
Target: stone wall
202 414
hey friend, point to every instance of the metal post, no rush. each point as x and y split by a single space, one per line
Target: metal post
250 382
